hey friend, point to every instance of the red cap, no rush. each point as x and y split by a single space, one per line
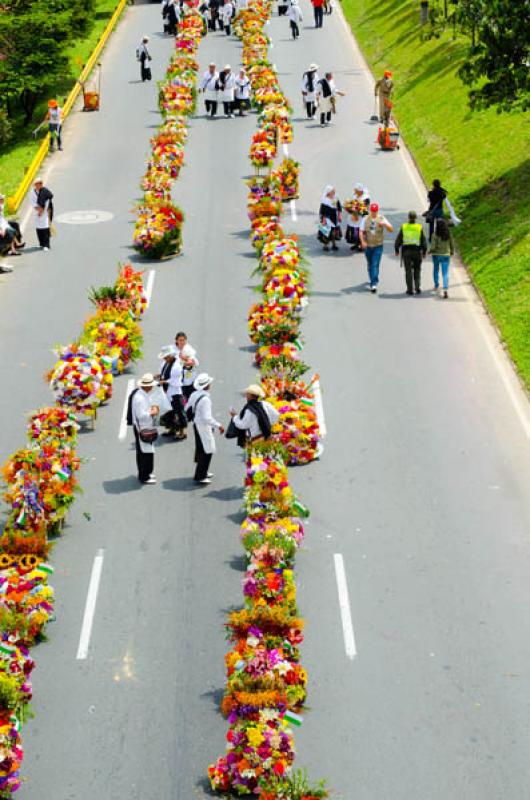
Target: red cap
374 206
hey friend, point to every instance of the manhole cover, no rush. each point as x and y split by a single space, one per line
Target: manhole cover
90 217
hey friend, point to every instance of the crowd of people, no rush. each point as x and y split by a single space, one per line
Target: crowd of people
177 396
365 232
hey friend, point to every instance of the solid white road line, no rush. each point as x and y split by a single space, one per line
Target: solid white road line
344 603
292 206
149 286
285 148
90 607
319 408
123 422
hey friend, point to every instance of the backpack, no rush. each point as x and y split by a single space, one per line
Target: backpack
190 410
129 407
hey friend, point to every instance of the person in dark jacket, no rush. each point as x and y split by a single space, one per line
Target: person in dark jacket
330 216
144 58
436 196
413 244
256 419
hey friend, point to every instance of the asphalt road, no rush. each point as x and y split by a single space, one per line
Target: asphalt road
423 486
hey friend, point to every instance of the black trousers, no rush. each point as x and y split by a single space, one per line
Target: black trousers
202 459
310 108
43 235
55 133
145 462
177 404
295 30
211 107
325 117
242 105
228 29
319 16
145 72
187 391
412 264
228 107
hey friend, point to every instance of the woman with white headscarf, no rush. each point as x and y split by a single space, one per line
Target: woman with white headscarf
330 218
309 90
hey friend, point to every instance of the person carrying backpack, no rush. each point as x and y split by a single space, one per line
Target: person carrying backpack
199 411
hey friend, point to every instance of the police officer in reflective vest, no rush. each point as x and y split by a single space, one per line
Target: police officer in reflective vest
413 244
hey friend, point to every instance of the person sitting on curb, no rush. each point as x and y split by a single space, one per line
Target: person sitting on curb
413 244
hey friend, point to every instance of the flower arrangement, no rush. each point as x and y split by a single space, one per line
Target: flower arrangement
263 230
288 178
280 252
297 430
130 283
262 149
272 323
158 231
114 334
80 380
52 424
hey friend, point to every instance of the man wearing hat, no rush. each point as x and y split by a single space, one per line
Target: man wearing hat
208 85
372 233
413 244
199 409
170 378
143 419
256 419
227 83
384 88
310 81
54 118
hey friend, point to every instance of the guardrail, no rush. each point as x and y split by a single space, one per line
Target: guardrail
15 200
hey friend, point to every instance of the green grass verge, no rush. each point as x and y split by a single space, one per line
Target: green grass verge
16 157
481 158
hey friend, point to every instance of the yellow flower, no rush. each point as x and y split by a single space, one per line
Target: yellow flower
254 737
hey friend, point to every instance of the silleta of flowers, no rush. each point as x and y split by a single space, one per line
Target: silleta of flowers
40 486
266 685
158 229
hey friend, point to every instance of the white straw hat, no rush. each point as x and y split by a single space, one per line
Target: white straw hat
256 390
312 67
168 350
146 380
202 381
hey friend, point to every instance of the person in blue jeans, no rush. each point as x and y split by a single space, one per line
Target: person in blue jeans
442 248
372 233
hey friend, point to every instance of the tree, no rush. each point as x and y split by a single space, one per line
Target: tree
498 61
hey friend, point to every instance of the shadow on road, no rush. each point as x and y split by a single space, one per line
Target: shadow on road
122 485
180 485
230 493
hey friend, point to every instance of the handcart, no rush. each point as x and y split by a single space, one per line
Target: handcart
92 90
388 136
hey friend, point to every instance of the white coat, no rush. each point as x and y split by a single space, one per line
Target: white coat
42 221
227 95
242 88
295 14
208 82
203 420
310 97
141 407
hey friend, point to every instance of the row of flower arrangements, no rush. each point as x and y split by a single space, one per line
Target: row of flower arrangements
158 230
41 484
265 682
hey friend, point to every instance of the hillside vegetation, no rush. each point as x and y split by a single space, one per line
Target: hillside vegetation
480 157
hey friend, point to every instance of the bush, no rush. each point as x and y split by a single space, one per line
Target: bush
6 131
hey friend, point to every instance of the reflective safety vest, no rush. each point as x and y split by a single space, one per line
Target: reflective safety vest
411 234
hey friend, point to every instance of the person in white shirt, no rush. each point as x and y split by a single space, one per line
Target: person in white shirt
208 85
326 94
227 86
257 417
199 409
227 12
295 16
170 377
188 361
309 89
143 418
242 93
41 201
54 118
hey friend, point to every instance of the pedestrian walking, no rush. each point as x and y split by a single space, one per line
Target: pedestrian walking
372 233
330 218
144 57
436 196
413 245
54 118
199 409
208 85
170 378
356 209
442 248
256 418
242 93
144 415
226 85
42 203
227 12
189 362
383 89
173 17
309 89
318 11
295 16
326 98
